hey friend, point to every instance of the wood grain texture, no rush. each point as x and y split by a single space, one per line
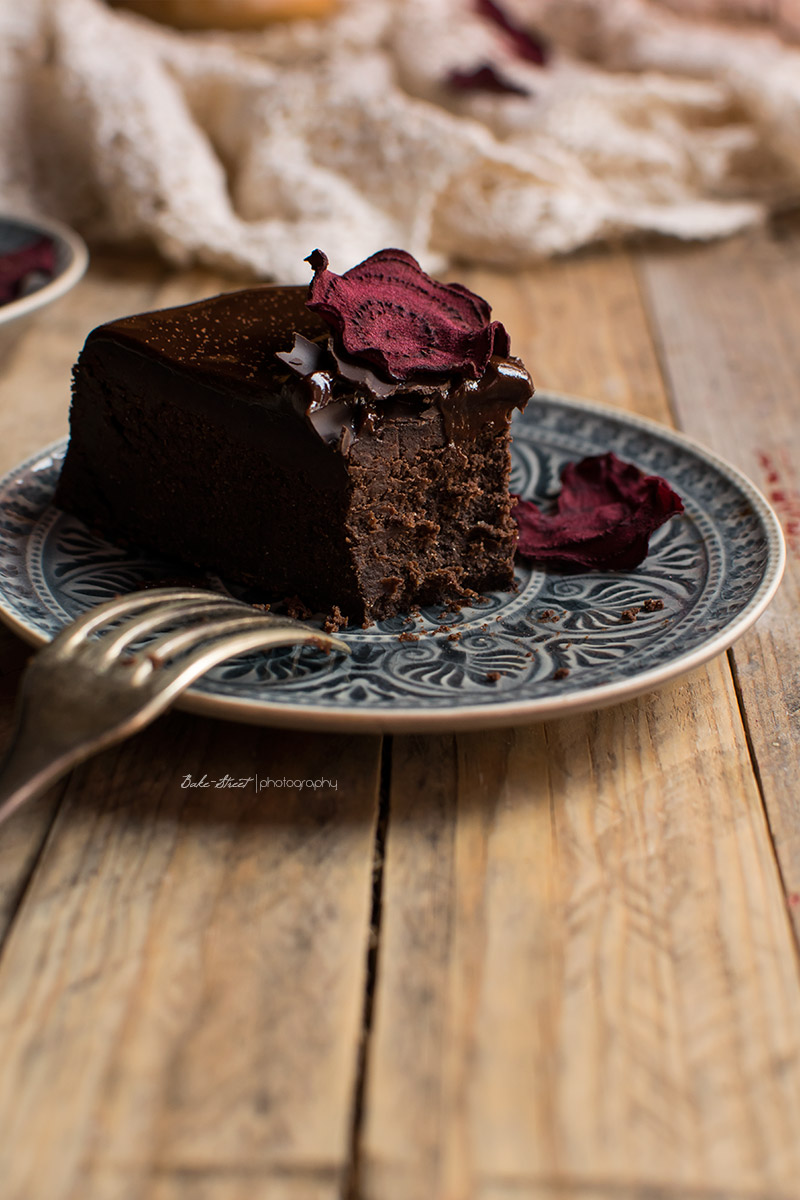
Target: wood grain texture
586 976
228 1183
34 406
587 984
34 402
181 992
728 322
35 378
588 1189
580 326
587 973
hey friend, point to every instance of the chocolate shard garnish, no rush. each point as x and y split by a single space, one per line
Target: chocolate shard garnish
22 271
359 373
526 44
605 513
485 78
305 356
389 312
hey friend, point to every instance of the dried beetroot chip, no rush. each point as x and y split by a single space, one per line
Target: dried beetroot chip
485 78
389 312
605 514
527 45
18 268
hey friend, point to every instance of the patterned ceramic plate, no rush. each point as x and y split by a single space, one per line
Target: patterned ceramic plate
557 645
71 259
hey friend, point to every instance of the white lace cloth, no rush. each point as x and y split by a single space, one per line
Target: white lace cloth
247 151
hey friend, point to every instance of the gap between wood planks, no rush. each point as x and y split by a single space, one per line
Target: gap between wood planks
661 350
351 1185
754 763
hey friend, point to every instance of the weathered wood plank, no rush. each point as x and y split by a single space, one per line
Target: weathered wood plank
728 321
225 1183
181 993
588 1189
586 972
34 405
134 954
35 379
580 326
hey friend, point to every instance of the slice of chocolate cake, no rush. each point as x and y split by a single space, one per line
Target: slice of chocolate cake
346 444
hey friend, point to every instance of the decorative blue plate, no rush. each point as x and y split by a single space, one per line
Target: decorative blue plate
559 644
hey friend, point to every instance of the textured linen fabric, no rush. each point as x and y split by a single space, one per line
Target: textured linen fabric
247 151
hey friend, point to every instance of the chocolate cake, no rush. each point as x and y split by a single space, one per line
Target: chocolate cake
346 443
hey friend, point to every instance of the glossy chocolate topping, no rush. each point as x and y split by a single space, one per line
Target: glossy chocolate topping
265 344
232 339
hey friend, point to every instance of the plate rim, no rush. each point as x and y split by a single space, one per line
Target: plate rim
60 284
498 714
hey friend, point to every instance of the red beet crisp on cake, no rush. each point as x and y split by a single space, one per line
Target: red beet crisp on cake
346 443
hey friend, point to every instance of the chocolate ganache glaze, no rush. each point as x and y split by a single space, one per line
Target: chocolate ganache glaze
345 397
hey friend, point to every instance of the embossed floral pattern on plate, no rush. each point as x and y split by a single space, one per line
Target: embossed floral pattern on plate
559 644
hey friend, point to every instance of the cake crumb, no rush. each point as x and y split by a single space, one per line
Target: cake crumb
548 614
561 673
454 637
492 676
297 610
629 615
262 607
391 585
334 621
653 604
407 636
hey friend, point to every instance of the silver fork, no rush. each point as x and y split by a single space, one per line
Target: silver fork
80 694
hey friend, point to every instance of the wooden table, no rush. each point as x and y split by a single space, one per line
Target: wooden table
547 962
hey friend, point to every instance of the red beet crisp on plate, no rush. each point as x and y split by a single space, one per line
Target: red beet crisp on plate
345 443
